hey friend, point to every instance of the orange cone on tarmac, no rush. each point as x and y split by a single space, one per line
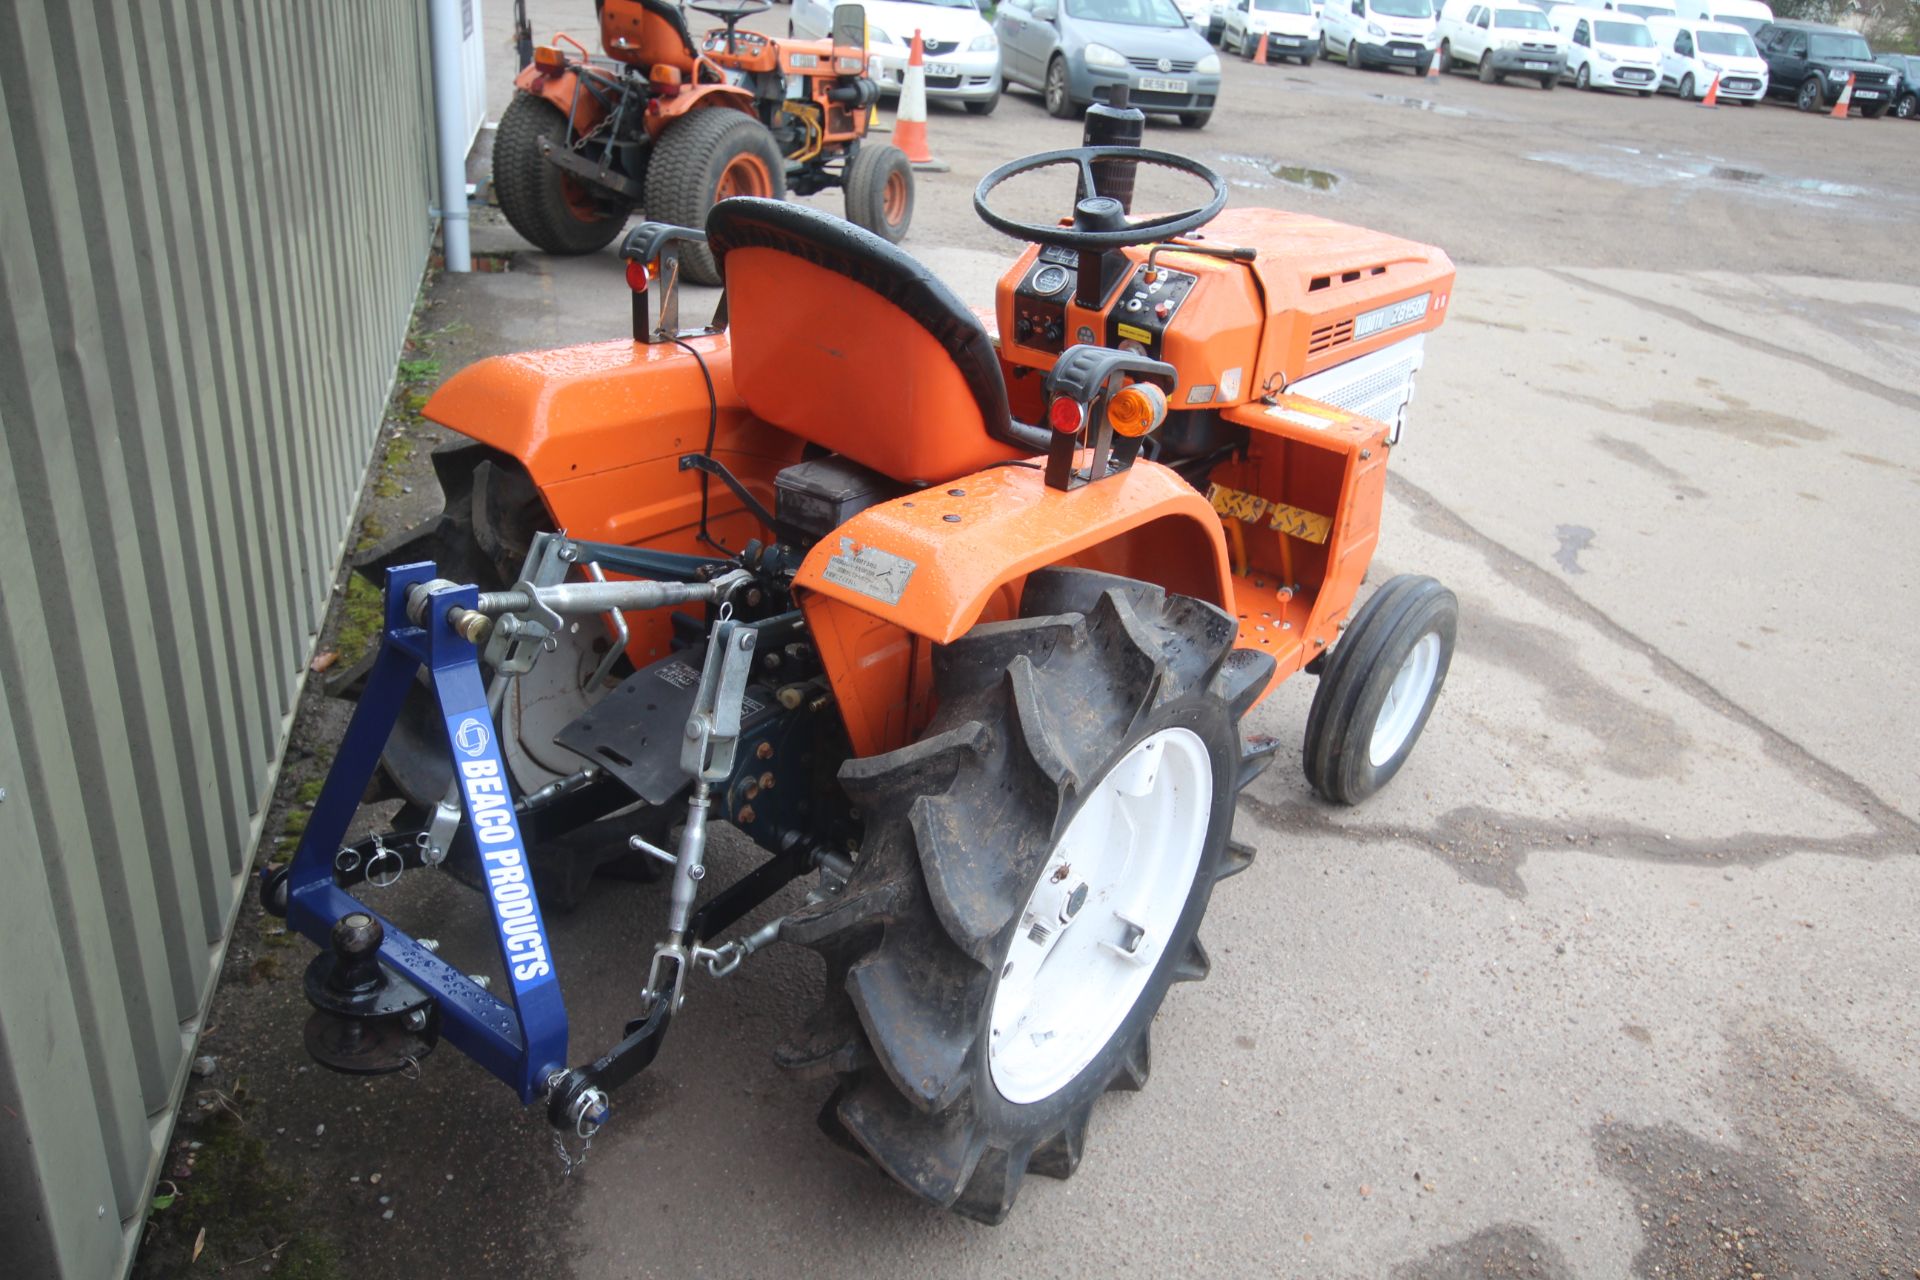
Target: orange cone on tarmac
1713 93
1433 66
1260 54
1845 100
910 121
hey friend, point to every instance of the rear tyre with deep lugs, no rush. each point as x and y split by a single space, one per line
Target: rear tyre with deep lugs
1031 884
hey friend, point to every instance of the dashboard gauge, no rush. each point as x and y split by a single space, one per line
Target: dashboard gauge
1049 280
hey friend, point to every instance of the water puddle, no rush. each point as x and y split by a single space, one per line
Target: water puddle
1421 104
1659 169
1811 185
1257 168
1301 176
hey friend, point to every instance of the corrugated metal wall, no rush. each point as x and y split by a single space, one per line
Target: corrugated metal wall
213 222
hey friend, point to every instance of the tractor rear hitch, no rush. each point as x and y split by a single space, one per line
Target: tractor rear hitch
383 1000
365 1020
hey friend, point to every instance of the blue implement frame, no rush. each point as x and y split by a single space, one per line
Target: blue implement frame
524 1043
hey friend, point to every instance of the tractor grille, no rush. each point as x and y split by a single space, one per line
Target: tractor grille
1329 336
934 48
1375 385
1175 66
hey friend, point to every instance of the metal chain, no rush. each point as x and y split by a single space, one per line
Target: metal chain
568 1160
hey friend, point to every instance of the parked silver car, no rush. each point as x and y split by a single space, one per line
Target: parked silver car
1068 49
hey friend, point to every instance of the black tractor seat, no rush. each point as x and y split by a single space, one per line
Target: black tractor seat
867 262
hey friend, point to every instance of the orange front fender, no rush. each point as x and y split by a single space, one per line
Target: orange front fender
899 578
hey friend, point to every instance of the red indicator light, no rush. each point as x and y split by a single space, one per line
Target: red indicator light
1066 416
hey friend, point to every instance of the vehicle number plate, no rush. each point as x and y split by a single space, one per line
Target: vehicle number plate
943 69
1538 66
1157 84
1866 93
1403 53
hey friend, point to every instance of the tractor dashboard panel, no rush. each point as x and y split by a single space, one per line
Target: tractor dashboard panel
1040 300
1146 308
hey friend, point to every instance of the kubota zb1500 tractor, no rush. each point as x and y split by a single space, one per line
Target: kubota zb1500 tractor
668 125
963 631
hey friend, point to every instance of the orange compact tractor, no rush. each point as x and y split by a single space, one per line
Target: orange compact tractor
669 125
963 631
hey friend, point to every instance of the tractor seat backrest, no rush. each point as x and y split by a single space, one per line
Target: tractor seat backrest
647 32
846 341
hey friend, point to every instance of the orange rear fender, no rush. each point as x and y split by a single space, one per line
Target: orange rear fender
663 111
899 578
601 429
564 92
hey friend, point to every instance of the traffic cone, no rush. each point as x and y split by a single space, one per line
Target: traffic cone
1845 100
1433 66
910 121
1713 93
1260 54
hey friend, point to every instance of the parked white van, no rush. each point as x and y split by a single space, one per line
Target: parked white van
1384 33
1291 29
1607 49
1644 8
1693 53
1501 38
1749 15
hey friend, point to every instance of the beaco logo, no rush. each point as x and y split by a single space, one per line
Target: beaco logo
471 736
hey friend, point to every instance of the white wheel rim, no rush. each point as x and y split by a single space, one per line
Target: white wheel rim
1076 968
1406 696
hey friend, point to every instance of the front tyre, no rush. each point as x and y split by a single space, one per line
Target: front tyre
1686 88
1058 94
708 155
1379 687
555 211
1583 79
879 190
1195 119
1031 884
1808 99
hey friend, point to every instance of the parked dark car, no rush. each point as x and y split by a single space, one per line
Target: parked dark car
1808 64
1906 90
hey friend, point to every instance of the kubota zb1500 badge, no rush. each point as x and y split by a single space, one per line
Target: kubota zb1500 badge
1254 509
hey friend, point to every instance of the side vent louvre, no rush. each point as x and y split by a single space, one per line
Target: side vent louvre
1329 336
1318 283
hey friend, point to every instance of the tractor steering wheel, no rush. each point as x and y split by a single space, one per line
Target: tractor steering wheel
1099 223
731 13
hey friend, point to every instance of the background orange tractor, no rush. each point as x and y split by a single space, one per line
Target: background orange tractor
669 125
961 629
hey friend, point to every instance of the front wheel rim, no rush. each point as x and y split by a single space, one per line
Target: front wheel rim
1101 916
1406 697
893 198
1056 87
